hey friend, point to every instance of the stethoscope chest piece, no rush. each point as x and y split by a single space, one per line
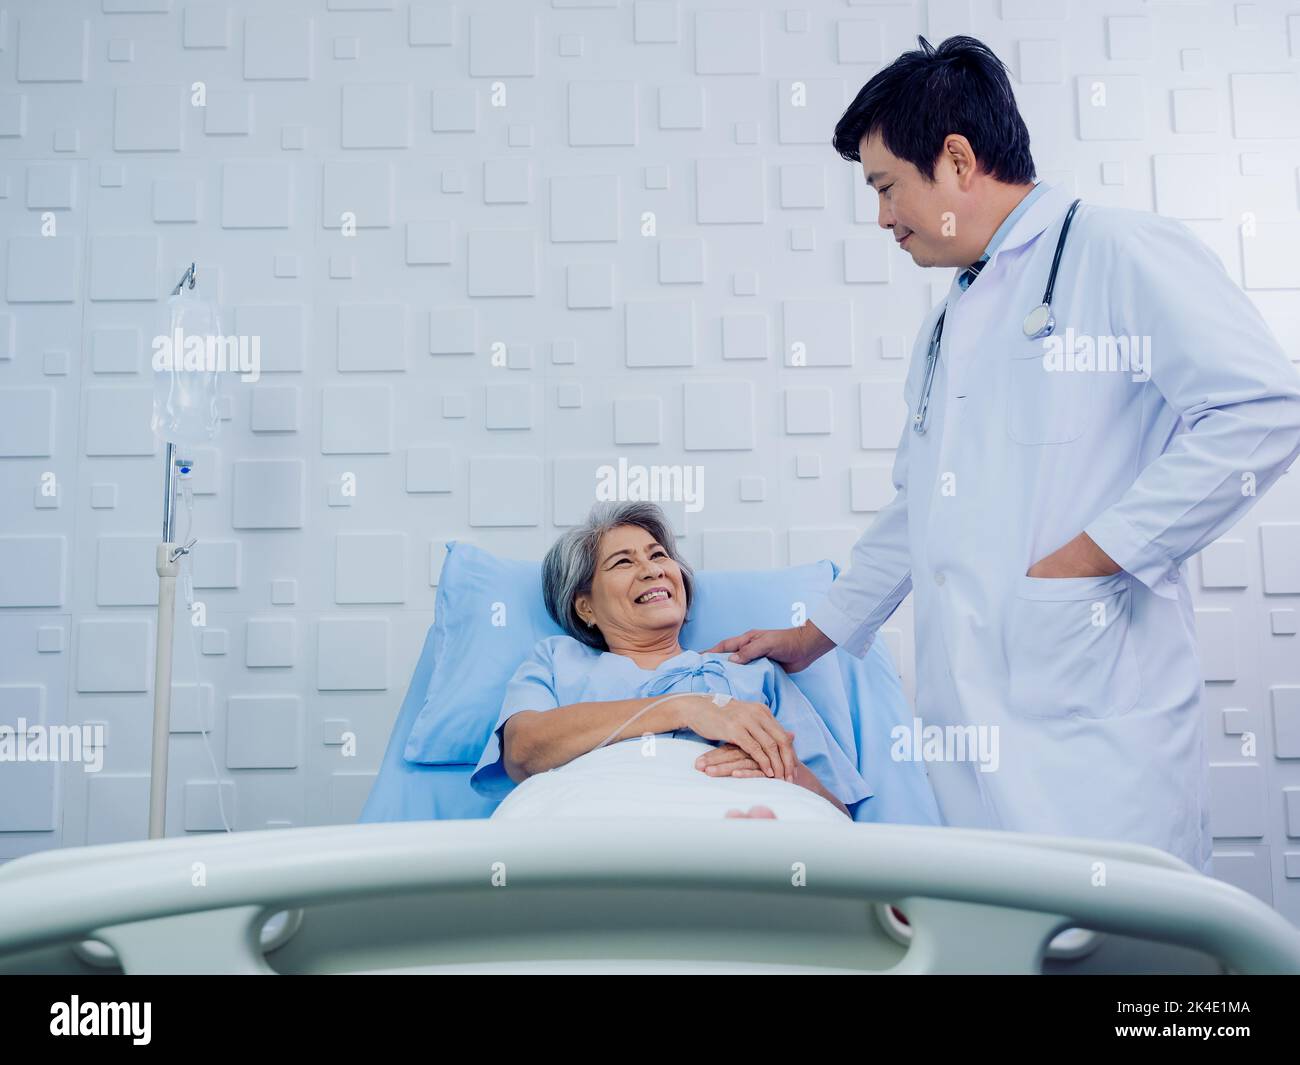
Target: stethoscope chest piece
1039 322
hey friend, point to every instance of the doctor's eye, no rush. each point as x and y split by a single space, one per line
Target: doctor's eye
885 189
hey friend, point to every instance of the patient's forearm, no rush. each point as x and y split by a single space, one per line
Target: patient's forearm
536 741
806 778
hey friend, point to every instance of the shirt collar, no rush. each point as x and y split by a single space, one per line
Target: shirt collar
1008 223
1046 210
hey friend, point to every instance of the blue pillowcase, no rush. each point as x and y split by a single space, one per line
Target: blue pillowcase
489 613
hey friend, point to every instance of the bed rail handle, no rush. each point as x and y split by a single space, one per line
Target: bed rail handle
956 886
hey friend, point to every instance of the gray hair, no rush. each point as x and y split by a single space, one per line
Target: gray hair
570 564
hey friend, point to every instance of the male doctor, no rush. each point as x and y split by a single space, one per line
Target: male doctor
1045 512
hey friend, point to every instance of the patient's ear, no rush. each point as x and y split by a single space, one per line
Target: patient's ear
582 607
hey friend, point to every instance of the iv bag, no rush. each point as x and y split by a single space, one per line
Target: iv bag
187 371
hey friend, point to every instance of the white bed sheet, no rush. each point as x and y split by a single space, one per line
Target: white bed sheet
655 779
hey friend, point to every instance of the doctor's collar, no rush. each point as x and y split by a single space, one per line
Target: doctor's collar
1041 214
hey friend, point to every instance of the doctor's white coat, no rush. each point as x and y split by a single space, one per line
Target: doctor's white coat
1093 683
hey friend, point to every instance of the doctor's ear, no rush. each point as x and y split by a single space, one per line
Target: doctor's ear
961 156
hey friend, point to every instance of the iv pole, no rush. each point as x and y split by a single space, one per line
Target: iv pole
167 563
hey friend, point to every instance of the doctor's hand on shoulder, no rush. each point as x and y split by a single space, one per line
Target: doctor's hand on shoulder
792 649
1081 557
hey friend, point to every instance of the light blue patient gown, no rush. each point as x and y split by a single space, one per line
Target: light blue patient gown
561 670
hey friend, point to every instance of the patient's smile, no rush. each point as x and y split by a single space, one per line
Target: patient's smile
637 597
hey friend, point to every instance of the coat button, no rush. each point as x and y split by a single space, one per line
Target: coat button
938 577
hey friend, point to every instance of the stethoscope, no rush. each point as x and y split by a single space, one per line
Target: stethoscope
1039 323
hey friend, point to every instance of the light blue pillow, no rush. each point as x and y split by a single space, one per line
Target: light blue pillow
489 613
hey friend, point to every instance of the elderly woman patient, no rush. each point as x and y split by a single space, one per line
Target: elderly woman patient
617 719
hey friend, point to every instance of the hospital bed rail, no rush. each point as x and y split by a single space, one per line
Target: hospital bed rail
619 896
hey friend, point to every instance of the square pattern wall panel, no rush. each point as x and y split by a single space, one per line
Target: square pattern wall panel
278 47
33 571
149 118
42 269
26 422
1111 107
281 331
52 49
118 421
370 568
585 207
718 415
505 490
360 192
602 113
660 333
486 249
356 419
730 190
268 494
264 732
114 654
256 195
502 262
352 654
271 642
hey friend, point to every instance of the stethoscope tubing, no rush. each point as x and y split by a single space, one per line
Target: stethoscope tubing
932 355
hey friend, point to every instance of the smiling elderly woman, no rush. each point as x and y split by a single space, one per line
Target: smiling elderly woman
617 719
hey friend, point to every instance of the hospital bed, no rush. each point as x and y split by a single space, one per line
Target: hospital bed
426 883
599 896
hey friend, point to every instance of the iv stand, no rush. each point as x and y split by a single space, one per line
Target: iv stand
167 563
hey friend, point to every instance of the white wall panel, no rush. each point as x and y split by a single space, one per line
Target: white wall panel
487 248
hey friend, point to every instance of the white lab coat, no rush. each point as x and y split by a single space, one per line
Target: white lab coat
1092 682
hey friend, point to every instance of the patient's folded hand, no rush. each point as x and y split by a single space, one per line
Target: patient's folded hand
727 760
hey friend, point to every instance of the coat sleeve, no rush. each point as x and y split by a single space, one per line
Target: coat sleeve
879 576
1215 362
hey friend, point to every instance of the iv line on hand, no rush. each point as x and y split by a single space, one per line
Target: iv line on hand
719 699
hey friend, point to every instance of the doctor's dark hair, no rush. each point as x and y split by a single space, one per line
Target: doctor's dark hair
570 565
927 94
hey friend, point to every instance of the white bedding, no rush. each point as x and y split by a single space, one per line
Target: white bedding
639 779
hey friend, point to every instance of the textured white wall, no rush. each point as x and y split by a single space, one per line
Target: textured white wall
502 159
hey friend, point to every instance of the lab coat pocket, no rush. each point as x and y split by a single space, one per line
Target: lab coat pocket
1069 650
1046 403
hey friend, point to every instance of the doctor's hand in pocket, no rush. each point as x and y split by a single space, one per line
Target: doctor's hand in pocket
1081 557
1066 640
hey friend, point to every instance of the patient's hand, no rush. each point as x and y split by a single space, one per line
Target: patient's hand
748 726
728 760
